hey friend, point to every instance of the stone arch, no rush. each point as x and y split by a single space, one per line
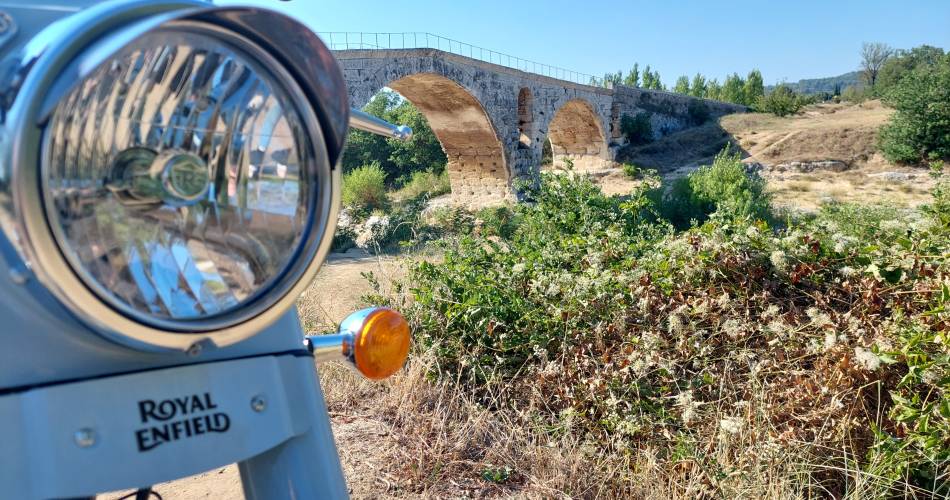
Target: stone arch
477 168
576 133
525 118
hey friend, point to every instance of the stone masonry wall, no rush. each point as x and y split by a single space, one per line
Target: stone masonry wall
492 120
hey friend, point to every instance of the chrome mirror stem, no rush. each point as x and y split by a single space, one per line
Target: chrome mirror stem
369 123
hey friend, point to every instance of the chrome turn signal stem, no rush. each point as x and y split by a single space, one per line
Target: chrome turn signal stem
332 347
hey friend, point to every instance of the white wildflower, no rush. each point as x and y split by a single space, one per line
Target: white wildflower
830 340
779 260
776 327
724 300
685 401
518 268
732 327
892 225
818 318
771 311
931 376
732 425
752 231
847 271
675 325
867 359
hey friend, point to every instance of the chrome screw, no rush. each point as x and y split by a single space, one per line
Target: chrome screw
85 437
19 276
258 403
6 22
194 350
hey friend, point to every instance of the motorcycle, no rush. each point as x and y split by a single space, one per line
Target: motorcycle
169 185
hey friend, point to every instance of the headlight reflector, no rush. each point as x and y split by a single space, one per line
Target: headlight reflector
178 177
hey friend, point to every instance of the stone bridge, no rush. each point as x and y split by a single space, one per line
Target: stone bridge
492 120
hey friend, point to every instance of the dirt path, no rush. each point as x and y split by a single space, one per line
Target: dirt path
335 292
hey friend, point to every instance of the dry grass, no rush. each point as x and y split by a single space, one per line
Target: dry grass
431 440
811 190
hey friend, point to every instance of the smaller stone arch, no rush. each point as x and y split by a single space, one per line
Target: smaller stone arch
525 118
478 171
576 133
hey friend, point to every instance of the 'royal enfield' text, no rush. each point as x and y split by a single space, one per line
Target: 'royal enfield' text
178 418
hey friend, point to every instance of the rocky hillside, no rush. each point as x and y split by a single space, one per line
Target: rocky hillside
826 152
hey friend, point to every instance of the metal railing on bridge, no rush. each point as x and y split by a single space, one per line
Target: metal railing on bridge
345 40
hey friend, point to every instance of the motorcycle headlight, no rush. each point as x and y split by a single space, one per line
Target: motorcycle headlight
185 178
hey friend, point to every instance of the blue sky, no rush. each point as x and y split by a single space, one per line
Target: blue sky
786 40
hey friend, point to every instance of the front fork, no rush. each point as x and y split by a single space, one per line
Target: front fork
305 466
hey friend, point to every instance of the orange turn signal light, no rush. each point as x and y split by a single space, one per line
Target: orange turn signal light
381 346
375 341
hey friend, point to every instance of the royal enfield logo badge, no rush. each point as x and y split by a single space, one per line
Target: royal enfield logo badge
178 418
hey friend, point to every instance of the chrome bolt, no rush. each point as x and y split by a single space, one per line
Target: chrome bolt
6 22
258 403
85 437
19 276
194 350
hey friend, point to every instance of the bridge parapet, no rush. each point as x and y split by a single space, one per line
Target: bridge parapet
345 40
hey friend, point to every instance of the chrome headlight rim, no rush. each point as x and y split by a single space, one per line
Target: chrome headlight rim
35 234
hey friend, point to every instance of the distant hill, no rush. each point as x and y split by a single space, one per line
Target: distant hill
816 85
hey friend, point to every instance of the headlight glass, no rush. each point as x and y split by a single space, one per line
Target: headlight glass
177 176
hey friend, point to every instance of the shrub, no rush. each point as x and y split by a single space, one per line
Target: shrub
630 170
364 188
498 221
781 101
425 183
725 348
637 128
920 127
698 112
854 94
724 187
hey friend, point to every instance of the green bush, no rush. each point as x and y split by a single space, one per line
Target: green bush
781 101
854 94
637 128
425 183
630 170
698 112
364 188
826 342
723 187
498 221
920 128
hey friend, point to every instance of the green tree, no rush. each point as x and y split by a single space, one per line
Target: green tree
903 62
713 89
364 148
732 89
873 57
682 85
698 87
647 78
781 101
398 159
633 77
422 152
657 82
612 79
754 88
919 130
